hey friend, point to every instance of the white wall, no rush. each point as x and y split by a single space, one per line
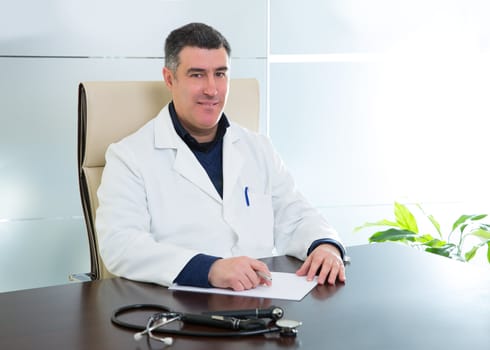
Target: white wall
388 101
365 108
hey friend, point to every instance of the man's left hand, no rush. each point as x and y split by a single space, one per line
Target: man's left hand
325 258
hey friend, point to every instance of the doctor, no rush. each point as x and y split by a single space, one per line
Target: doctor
195 199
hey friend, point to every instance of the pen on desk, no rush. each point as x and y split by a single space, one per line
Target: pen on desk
247 201
264 276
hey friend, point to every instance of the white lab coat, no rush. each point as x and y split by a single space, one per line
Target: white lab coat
158 208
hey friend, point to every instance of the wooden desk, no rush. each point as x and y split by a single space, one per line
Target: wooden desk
395 298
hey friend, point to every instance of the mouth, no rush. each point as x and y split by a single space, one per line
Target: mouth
208 103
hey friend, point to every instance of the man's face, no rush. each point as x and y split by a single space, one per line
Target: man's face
199 89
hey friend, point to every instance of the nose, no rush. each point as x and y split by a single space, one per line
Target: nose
210 88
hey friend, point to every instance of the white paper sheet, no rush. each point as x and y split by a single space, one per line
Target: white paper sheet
286 286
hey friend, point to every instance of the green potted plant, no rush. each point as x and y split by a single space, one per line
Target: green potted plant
404 229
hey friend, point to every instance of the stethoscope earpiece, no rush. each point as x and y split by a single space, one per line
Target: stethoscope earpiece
167 341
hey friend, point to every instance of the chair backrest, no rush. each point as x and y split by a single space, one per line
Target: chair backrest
110 110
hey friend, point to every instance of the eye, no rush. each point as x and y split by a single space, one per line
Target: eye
221 74
196 75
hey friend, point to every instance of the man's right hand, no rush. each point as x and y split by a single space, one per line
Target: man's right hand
238 273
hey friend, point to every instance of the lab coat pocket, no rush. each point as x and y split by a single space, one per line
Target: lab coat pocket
256 225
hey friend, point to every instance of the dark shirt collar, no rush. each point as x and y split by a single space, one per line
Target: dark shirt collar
189 140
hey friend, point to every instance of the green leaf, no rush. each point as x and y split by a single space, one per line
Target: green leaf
436 224
377 223
471 253
405 218
447 250
432 219
488 252
424 239
483 234
485 227
393 235
464 218
435 243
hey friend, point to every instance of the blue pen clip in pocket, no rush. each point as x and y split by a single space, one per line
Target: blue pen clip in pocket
247 198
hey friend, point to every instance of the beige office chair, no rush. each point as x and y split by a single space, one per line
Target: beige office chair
109 111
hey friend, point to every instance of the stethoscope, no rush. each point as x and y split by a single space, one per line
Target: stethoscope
241 322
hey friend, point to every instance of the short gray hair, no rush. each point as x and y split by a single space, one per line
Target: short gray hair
194 35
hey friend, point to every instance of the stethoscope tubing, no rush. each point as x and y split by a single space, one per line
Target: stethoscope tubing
115 318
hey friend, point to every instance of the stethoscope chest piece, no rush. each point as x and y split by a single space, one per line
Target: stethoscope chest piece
288 328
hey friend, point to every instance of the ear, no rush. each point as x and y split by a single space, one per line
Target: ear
168 77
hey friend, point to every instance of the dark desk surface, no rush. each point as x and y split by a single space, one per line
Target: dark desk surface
394 298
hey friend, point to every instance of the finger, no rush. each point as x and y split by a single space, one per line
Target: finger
326 269
334 271
252 279
312 271
247 280
304 267
264 278
341 277
237 286
262 273
259 266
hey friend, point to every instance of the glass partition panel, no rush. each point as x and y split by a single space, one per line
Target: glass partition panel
370 132
125 28
353 26
39 253
39 133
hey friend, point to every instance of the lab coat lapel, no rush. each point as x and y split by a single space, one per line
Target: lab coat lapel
233 161
189 167
186 163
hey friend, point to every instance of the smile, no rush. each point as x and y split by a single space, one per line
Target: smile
208 103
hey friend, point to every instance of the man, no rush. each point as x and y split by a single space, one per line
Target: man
195 199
